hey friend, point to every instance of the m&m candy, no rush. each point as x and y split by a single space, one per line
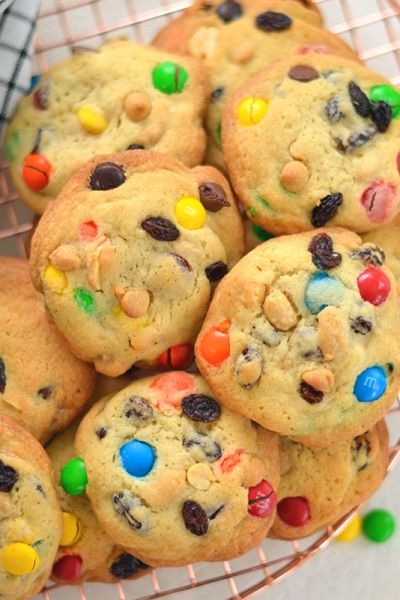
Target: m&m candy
85 301
370 384
92 121
374 286
20 559
177 357
55 278
294 511
71 530
68 568
74 477
388 94
190 213
323 290
252 111
351 531
169 78
378 525
137 458
36 172
262 499
215 346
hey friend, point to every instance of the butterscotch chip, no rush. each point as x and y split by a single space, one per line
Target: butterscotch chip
135 303
243 53
65 258
332 332
279 311
200 476
294 176
137 106
320 379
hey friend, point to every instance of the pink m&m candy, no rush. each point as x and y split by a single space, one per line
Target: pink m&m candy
374 286
379 201
314 49
262 499
294 510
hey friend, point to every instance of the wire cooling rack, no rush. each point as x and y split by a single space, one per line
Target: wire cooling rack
372 27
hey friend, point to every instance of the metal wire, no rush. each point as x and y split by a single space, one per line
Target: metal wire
57 34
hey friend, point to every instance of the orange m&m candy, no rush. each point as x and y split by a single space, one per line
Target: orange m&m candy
215 346
36 171
177 357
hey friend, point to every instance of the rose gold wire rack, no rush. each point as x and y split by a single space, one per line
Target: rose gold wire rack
372 27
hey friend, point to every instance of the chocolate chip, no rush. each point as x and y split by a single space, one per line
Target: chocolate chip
273 21
126 566
310 394
381 116
161 229
107 176
124 503
373 255
46 392
8 477
216 271
360 325
323 256
229 11
303 73
360 449
202 446
356 140
326 209
217 93
135 147
182 262
202 408
101 432
212 196
195 518
360 101
137 410
332 110
3 378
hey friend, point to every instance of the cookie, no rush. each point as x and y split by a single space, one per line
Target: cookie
43 385
129 254
319 487
186 479
236 40
303 337
388 239
30 517
121 96
303 142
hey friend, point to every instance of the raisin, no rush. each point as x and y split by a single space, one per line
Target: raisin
202 408
137 410
229 11
310 394
126 566
360 325
217 93
3 378
195 518
313 354
135 147
373 255
248 367
46 392
216 271
40 98
212 196
124 503
356 140
326 209
360 449
332 110
360 100
182 262
323 256
8 477
161 229
215 512
107 176
273 21
303 73
381 116
202 446
101 432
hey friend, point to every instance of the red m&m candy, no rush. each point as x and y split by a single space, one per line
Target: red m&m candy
294 510
177 357
68 568
262 499
379 201
215 346
374 286
36 172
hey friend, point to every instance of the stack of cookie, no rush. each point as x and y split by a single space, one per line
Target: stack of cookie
140 256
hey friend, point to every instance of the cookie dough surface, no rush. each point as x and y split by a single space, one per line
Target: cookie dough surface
181 471
43 385
105 101
304 140
30 517
303 337
129 254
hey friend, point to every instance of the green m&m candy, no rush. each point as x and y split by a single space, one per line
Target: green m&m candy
388 94
74 477
169 78
378 525
84 301
262 234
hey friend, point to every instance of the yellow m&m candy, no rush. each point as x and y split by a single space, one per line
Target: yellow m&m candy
55 278
20 559
252 111
190 213
91 120
352 530
71 531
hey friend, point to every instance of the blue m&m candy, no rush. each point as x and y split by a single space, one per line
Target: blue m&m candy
138 458
323 290
370 384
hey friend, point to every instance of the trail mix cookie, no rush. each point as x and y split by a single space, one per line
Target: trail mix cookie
86 552
129 254
119 97
43 385
236 40
388 239
303 142
303 337
30 517
319 487
187 479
